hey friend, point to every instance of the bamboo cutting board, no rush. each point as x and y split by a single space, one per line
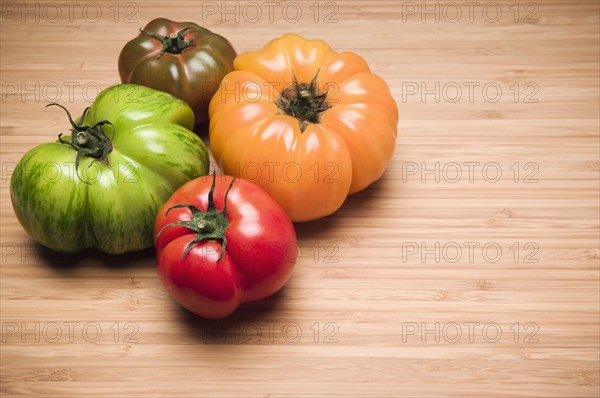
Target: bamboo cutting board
470 269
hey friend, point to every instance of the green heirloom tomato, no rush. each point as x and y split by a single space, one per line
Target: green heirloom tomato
102 186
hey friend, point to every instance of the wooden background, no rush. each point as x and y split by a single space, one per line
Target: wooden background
445 278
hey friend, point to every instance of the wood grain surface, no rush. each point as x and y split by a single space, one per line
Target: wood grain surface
470 269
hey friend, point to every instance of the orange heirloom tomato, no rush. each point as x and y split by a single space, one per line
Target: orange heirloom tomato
307 124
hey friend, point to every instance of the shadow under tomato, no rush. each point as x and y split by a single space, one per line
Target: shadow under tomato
353 206
244 326
67 262
202 130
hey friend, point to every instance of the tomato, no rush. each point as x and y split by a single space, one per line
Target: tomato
180 58
307 124
221 243
102 186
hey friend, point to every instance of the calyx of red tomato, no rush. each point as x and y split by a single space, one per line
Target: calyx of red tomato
303 101
207 225
87 140
172 44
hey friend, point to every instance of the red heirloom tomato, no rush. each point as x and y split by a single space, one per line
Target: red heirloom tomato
180 58
221 244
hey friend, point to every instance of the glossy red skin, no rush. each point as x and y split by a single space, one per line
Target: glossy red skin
193 75
260 254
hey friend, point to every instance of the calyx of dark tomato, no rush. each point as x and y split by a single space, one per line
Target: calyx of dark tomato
303 101
87 140
174 43
207 225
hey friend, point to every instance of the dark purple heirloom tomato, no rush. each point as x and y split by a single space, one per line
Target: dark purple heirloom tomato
180 58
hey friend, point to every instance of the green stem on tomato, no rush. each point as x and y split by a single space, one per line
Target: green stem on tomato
87 140
303 101
207 225
175 43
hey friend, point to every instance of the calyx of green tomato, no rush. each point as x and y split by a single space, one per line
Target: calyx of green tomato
87 140
174 43
208 225
303 101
